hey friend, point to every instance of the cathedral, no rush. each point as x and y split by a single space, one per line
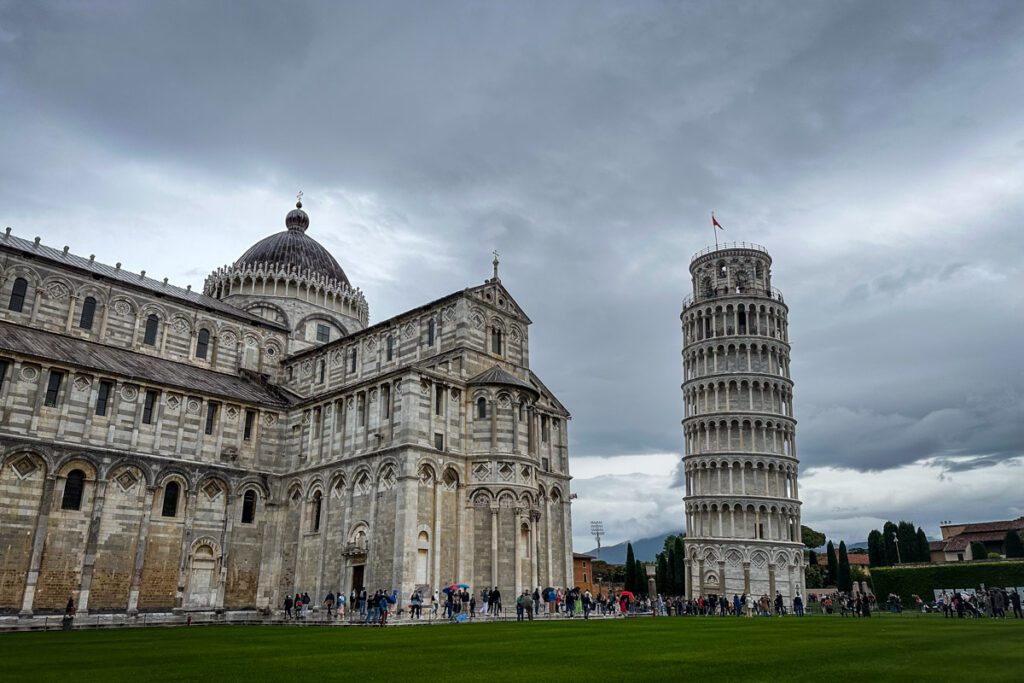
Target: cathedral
163 449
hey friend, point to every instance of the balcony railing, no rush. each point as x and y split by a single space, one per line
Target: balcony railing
721 292
728 245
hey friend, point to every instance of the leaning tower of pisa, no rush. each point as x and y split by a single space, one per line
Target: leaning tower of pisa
742 504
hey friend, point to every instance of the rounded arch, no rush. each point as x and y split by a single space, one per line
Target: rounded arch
78 461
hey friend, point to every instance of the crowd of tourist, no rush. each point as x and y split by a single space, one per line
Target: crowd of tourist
459 603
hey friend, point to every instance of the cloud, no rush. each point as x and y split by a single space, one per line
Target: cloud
875 148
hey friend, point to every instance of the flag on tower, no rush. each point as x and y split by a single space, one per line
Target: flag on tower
715 223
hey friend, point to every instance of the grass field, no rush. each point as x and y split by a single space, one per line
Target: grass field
724 649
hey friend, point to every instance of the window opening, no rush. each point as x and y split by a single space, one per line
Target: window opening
88 313
202 343
148 405
481 408
249 507
250 418
17 302
211 416
103 397
53 388
323 333
171 492
74 486
152 325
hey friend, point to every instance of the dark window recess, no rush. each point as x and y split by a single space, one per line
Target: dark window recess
385 399
438 400
545 464
103 397
362 411
73 489
18 291
148 405
152 326
249 507
481 408
211 416
250 418
317 500
322 370
391 347
431 328
171 492
323 333
439 441
352 361
545 432
202 343
3 372
495 340
53 388
88 313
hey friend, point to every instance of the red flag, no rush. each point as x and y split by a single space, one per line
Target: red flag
715 223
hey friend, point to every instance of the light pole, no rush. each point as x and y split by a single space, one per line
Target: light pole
896 540
597 531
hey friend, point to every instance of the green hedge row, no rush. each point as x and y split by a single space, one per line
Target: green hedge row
906 581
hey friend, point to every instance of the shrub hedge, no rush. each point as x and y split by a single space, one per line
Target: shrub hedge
922 580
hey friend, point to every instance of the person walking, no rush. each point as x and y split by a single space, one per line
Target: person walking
520 609
528 605
750 605
435 603
288 602
798 605
329 605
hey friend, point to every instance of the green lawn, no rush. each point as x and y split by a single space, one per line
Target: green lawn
725 649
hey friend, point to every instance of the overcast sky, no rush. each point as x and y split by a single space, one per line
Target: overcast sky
875 148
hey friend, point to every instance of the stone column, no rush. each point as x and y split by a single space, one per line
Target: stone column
494 544
89 561
746 578
140 551
38 541
230 509
186 541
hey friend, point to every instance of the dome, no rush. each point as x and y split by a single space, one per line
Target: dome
294 248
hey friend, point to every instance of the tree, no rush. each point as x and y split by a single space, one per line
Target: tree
670 571
661 573
978 550
811 538
641 579
843 577
924 550
907 534
814 576
833 564
889 544
630 580
1012 545
812 559
670 542
679 566
876 550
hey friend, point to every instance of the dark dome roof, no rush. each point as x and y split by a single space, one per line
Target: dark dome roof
294 248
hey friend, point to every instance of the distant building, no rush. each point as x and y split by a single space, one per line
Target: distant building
583 571
955 545
856 560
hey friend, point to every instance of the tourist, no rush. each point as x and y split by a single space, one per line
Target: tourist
485 595
528 605
435 603
288 606
798 605
750 605
298 606
472 606
1015 603
588 604
329 604
495 602
362 601
520 609
341 605
780 607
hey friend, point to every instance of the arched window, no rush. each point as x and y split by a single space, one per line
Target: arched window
18 295
352 360
152 325
481 407
171 493
317 501
431 327
73 488
202 343
88 313
391 347
249 507
495 340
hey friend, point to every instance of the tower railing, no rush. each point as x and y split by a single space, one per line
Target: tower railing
718 293
728 245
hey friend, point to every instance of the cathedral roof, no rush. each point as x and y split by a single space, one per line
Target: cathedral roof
293 248
138 366
496 375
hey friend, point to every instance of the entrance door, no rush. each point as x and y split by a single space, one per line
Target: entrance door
357 577
201 585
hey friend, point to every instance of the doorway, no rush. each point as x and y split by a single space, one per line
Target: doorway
357 577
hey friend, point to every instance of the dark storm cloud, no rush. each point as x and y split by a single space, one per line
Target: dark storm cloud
875 148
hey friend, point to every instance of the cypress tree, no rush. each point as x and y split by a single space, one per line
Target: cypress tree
1012 545
661 574
630 581
670 570
843 580
978 550
908 541
833 564
641 579
876 551
812 559
679 570
889 544
924 551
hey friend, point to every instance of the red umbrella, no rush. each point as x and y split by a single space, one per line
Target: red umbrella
627 594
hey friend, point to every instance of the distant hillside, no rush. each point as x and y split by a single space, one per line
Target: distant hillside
644 550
